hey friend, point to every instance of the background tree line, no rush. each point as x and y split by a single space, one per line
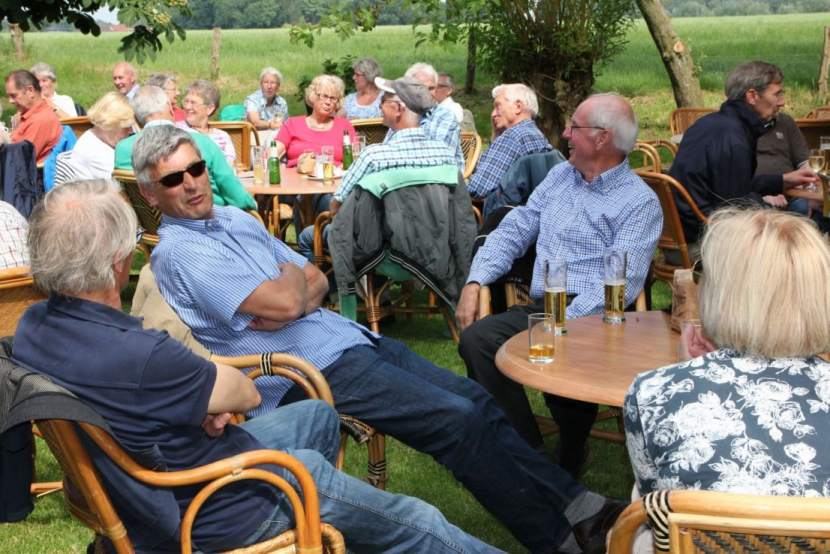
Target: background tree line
704 8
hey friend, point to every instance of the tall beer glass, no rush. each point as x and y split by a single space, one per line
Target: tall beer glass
614 265
556 290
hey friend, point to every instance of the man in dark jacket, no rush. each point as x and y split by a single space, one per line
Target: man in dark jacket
716 161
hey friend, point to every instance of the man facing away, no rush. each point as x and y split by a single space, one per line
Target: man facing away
243 291
514 107
36 122
123 79
582 208
716 162
157 395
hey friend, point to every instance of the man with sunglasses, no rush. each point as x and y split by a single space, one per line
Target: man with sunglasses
241 290
583 207
152 108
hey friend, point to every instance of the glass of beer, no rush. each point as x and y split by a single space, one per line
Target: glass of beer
258 166
327 154
556 287
541 332
613 265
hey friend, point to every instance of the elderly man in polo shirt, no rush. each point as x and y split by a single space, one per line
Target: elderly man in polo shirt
582 208
123 79
514 107
36 122
242 290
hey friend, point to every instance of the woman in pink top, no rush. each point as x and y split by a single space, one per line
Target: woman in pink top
322 128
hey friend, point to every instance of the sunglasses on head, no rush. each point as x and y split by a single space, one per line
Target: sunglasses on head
196 169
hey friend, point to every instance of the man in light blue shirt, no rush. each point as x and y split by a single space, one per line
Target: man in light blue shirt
582 208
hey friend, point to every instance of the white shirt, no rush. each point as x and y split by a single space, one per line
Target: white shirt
13 227
64 103
454 107
91 158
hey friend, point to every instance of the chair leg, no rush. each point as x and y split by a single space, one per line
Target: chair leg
375 443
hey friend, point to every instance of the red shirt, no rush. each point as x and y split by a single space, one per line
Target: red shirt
40 126
298 137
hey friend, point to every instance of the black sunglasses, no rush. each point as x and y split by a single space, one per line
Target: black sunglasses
196 169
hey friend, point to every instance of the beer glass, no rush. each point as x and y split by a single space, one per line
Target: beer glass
327 155
613 265
556 290
541 332
816 160
258 166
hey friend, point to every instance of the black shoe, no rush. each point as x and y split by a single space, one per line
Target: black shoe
576 472
591 533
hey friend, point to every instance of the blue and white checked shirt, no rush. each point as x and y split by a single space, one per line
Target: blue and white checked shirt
440 124
406 148
519 140
578 221
255 102
207 268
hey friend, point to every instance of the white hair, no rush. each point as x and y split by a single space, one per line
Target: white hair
273 71
521 93
613 112
424 69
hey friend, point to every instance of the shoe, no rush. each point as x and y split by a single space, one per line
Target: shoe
591 533
579 471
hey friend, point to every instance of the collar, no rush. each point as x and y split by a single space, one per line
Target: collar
520 126
158 123
219 221
36 108
409 132
607 180
95 312
750 119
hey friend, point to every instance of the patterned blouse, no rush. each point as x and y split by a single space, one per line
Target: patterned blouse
359 111
732 423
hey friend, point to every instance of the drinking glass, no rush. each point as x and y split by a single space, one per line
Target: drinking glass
258 166
613 265
327 156
556 290
541 332
816 160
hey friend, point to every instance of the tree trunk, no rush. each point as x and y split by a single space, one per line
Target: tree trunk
17 39
825 66
559 96
214 54
472 52
676 56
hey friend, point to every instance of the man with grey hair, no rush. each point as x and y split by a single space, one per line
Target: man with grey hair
592 203
169 84
514 107
123 79
716 161
242 290
151 106
443 95
158 396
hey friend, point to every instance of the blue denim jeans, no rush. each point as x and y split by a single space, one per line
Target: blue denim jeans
371 520
305 241
457 422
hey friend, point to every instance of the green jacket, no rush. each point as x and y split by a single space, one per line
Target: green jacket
227 190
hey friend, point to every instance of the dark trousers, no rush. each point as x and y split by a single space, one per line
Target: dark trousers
479 343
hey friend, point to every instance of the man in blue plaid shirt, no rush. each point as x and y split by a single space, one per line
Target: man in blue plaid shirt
514 107
582 208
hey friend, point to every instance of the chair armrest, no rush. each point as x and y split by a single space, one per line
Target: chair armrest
621 537
485 307
319 248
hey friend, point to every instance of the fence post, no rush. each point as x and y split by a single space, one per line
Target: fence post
214 54
17 39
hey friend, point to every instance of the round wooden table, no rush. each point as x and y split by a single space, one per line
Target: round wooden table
595 362
292 184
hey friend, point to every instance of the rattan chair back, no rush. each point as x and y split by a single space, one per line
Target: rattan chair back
243 135
79 124
88 500
683 118
471 147
17 292
373 128
148 217
691 521
645 156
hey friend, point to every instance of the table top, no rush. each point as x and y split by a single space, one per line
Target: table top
595 361
291 183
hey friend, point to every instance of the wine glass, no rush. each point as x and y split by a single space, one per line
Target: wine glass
816 160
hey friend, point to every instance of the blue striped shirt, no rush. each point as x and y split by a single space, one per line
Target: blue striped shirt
440 124
406 148
206 268
575 220
519 140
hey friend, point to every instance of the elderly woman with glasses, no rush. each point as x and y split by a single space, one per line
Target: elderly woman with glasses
200 102
365 102
62 104
170 86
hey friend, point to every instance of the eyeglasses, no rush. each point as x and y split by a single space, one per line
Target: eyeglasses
572 126
443 85
196 169
327 97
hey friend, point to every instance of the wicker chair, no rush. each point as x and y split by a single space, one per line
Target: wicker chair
471 147
88 501
243 135
79 124
683 118
17 292
148 217
645 156
373 128
822 112
690 521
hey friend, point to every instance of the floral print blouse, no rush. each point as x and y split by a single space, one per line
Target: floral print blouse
732 423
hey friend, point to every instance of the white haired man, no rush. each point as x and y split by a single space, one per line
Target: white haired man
514 107
123 79
582 208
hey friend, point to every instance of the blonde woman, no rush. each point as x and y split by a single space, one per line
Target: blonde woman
93 156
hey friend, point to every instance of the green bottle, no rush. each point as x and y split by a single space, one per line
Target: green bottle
348 156
273 165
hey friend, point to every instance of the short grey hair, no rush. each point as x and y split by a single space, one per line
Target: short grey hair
205 90
421 68
613 112
273 71
160 79
149 100
154 144
369 68
519 92
45 70
76 234
755 75
447 79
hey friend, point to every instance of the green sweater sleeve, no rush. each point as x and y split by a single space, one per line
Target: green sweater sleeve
227 190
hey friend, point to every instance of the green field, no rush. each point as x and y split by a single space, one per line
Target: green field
84 67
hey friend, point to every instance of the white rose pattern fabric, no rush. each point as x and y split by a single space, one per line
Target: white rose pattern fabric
732 423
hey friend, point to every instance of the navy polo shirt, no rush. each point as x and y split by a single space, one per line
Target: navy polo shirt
154 394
